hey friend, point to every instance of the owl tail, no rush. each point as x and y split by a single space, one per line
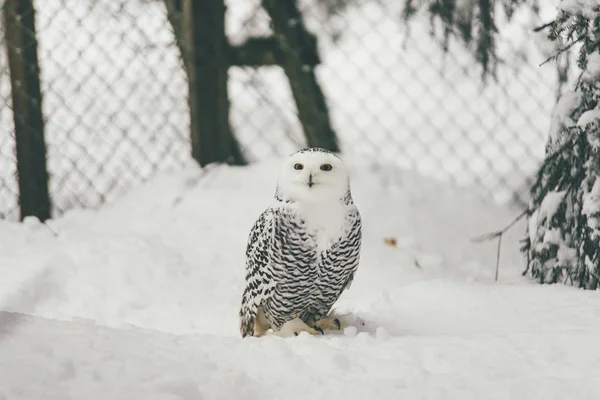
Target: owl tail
247 316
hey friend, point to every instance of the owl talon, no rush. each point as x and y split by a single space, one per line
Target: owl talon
316 328
329 324
337 323
295 327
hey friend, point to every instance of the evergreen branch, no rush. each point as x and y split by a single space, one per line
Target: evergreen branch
492 235
554 155
498 234
560 51
578 81
541 28
528 210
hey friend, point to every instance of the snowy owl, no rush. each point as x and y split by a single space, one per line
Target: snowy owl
303 251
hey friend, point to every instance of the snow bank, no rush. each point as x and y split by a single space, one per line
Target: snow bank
157 256
140 300
466 342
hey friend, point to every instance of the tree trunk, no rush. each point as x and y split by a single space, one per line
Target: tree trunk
199 28
300 54
200 35
21 44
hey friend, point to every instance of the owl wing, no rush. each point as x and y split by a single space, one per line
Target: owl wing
258 251
350 246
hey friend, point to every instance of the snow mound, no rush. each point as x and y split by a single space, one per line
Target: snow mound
164 252
140 300
463 341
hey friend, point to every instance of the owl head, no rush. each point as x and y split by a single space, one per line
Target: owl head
313 174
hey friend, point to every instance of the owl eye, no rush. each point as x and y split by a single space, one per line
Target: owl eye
326 167
298 166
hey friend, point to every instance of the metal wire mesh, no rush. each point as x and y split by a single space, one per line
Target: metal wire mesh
116 111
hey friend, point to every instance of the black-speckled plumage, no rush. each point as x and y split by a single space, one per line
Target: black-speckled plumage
290 271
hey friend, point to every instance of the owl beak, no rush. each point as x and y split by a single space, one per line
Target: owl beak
310 180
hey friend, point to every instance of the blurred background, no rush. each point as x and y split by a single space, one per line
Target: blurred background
118 83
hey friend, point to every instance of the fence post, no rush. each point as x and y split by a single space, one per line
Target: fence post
207 66
300 55
21 43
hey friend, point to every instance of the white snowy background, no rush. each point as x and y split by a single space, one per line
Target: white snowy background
139 298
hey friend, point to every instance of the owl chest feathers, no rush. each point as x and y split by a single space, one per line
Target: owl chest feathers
309 265
324 224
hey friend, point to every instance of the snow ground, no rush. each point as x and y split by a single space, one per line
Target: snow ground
139 300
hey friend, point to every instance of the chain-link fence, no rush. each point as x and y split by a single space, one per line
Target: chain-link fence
116 112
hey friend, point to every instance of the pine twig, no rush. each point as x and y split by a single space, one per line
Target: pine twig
492 235
560 51
498 257
498 234
45 223
542 27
